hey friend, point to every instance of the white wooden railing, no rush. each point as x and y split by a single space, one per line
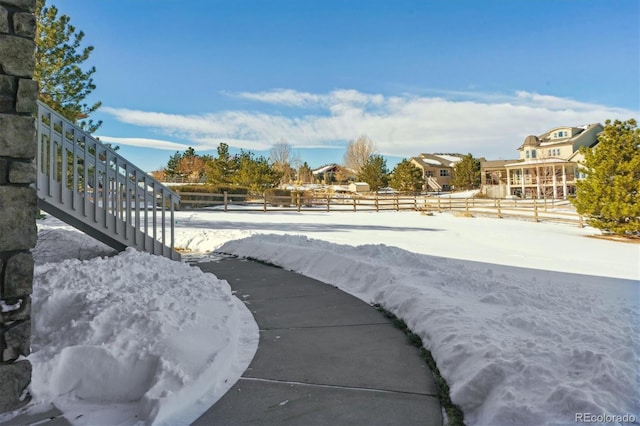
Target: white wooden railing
90 186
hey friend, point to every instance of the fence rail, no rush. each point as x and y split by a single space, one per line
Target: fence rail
552 210
90 186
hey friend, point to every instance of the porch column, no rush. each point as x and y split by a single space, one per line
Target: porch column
538 182
522 180
564 182
508 182
553 170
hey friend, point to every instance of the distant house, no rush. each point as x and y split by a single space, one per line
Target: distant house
333 173
437 170
548 166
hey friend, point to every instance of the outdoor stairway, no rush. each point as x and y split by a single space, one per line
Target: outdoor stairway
86 184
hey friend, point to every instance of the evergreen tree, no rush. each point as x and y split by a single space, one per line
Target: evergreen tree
220 170
171 171
254 173
610 194
466 173
64 85
406 177
374 172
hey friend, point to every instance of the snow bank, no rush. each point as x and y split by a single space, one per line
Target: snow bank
517 346
135 338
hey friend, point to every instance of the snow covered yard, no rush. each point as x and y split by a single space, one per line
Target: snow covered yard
530 323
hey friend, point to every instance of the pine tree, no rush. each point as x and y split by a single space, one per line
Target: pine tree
254 173
64 85
610 194
171 171
374 172
220 170
466 173
406 177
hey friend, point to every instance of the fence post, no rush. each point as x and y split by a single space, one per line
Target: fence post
397 203
439 206
328 201
545 204
499 212
466 205
354 204
450 206
264 206
580 222
535 210
377 207
298 200
225 200
415 202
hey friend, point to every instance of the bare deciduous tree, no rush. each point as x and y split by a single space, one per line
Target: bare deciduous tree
358 153
282 157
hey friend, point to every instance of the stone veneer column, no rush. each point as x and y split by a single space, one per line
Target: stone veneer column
18 96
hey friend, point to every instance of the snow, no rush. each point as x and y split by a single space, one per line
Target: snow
432 162
131 337
451 158
530 323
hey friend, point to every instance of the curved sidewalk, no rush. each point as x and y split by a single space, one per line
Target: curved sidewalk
324 358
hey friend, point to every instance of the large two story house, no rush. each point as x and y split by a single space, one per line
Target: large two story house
547 167
437 170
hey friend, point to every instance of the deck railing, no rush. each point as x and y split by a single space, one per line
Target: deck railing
90 186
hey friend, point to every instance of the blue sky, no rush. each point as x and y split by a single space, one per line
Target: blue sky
414 76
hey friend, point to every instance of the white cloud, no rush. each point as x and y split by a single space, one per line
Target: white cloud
148 143
490 125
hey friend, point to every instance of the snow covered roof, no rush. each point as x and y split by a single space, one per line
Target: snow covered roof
430 161
324 168
450 158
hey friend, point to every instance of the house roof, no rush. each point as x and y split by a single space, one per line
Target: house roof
541 161
545 139
436 160
324 169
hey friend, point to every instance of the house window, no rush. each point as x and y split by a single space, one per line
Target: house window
533 153
444 172
429 173
527 154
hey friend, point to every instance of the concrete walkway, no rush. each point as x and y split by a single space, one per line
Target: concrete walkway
324 358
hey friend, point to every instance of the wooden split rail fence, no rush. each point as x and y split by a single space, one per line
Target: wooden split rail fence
552 210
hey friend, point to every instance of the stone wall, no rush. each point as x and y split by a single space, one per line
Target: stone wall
18 96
